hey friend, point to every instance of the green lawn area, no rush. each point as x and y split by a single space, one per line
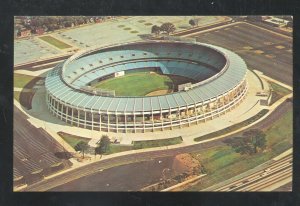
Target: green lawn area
222 163
136 84
55 42
72 140
156 143
233 127
278 91
115 148
21 80
17 95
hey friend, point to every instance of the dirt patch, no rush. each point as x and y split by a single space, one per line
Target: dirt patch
184 163
159 92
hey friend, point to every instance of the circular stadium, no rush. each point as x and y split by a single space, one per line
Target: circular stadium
146 86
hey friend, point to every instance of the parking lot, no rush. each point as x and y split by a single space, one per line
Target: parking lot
263 50
108 32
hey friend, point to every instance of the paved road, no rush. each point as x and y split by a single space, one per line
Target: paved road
130 177
261 49
94 168
262 179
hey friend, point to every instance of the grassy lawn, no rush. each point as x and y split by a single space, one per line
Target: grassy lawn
72 140
233 127
222 162
17 95
156 143
21 80
278 91
115 148
55 42
137 84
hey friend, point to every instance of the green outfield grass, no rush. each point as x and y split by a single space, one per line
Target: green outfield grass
55 42
137 84
222 162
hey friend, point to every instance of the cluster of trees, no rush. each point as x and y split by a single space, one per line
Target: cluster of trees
251 142
51 23
193 22
102 146
165 28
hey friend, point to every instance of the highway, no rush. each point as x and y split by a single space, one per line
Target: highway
258 181
94 168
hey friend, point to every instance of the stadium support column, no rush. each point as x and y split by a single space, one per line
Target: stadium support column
217 103
188 115
179 114
162 120
152 120
143 121
134 122
61 112
100 122
92 120
72 120
170 118
78 112
67 113
117 122
107 121
84 119
125 121
204 111
196 113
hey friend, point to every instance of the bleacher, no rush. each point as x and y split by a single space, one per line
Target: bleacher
35 153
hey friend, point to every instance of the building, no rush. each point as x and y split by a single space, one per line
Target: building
220 77
25 33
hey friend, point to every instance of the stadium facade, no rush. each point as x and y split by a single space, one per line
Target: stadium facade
219 86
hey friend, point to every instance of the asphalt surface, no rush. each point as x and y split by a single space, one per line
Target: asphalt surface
91 172
277 56
130 177
38 65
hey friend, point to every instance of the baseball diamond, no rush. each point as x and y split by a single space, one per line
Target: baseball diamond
218 85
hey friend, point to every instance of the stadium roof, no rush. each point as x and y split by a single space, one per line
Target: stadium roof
71 94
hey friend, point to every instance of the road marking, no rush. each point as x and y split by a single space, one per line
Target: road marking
280 47
247 47
258 52
268 43
270 56
289 50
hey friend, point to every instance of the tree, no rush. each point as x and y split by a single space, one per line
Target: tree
192 22
82 147
249 143
168 27
257 139
103 145
155 29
